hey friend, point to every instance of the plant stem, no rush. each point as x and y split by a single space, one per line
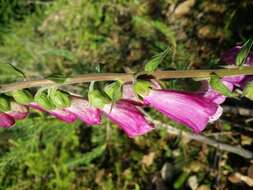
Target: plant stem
127 77
203 139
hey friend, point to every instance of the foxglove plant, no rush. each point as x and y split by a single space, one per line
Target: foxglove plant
229 57
126 115
6 120
192 110
60 114
16 112
82 109
121 102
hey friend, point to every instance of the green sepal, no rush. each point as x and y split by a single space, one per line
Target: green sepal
22 96
114 90
244 52
5 104
98 99
43 100
142 87
59 99
248 91
218 86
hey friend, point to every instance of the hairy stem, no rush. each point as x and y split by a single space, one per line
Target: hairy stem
127 77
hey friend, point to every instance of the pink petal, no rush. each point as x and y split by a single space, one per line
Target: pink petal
84 111
235 80
189 109
60 114
6 120
128 118
18 111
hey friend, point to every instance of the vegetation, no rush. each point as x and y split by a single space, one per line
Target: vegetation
86 36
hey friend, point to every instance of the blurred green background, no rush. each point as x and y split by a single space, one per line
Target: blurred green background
77 36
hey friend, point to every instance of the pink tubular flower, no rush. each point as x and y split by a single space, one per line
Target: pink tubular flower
128 117
189 109
6 120
84 111
58 113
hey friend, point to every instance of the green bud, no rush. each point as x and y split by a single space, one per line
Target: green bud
114 90
22 96
4 104
142 87
60 99
98 99
42 99
248 91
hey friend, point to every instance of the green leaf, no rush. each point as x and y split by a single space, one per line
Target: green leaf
114 90
152 65
218 86
98 99
87 158
4 103
60 99
9 71
42 99
248 91
244 52
22 96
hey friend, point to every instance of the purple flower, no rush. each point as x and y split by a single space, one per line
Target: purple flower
189 109
6 120
60 114
84 111
128 117
229 58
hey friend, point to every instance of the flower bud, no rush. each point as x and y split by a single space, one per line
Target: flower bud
60 99
42 99
22 96
4 104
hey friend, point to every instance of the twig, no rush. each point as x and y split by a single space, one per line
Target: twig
238 110
127 77
221 146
